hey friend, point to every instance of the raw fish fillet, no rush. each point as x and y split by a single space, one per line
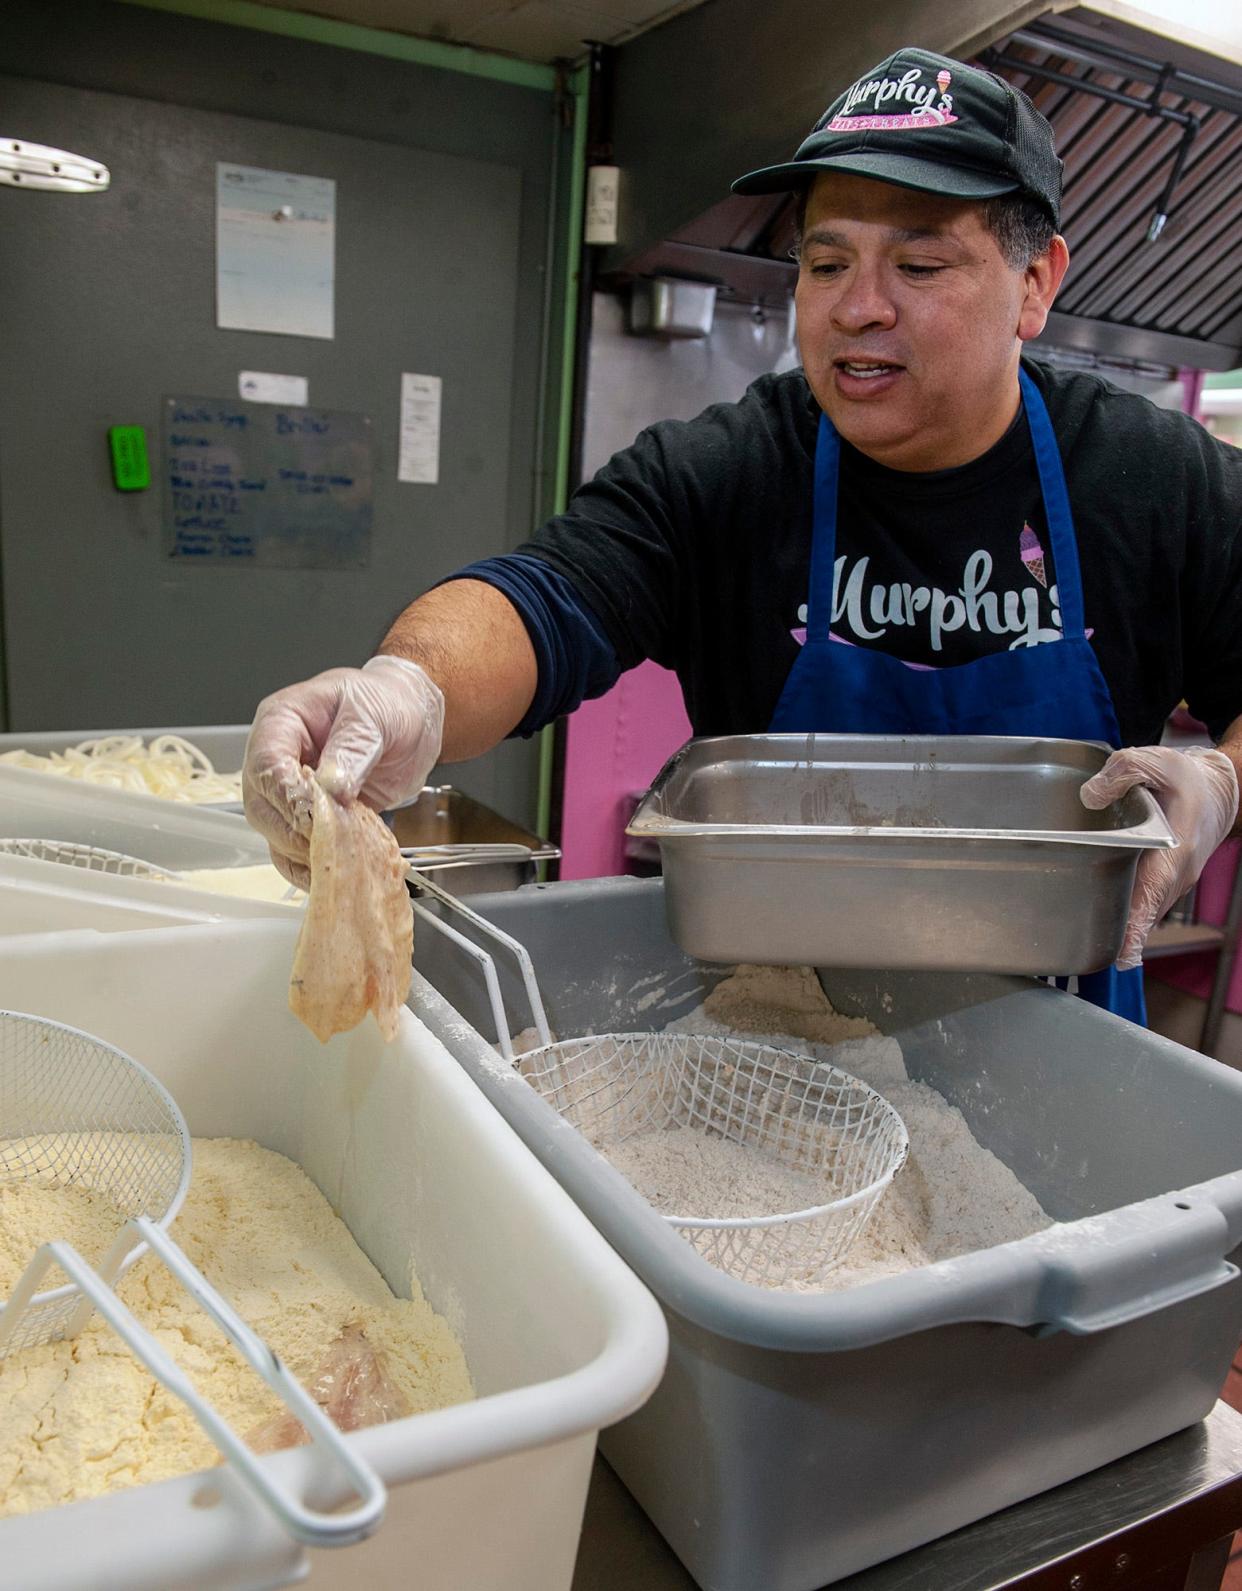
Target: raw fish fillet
353 953
353 1388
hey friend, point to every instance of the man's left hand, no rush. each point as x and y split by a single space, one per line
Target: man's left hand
1198 792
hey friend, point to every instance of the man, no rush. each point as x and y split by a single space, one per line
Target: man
916 532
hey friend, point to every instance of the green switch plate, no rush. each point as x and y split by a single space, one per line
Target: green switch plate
131 471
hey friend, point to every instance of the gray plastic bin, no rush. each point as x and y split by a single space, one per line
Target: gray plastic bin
798 1439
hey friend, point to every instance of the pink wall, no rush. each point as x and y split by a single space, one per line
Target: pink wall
615 746
1194 973
1192 389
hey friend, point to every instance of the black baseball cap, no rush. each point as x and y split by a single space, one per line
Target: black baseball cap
924 121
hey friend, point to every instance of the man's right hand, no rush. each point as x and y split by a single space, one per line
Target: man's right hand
373 734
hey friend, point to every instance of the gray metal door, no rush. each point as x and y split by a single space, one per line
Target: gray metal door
108 305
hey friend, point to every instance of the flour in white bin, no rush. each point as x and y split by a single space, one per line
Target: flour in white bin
952 1197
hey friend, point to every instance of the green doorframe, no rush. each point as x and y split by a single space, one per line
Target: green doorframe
568 90
561 393
371 41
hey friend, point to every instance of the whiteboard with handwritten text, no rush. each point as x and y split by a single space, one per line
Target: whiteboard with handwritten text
276 487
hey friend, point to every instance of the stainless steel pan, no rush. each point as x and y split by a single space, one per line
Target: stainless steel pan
952 853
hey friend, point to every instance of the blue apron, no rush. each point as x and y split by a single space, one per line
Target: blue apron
1054 690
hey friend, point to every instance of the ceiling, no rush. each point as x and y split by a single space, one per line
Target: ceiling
535 30
1176 300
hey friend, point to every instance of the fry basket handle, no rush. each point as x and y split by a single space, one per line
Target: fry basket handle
312 1526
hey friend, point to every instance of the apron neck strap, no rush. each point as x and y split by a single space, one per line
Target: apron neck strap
1056 508
1056 512
823 529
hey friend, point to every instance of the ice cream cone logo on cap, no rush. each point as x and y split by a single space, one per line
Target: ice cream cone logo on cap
943 79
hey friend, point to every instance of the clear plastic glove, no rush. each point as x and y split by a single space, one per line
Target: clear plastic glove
1198 792
372 733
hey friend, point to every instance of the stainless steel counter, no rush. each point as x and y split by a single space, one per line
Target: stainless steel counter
1163 1518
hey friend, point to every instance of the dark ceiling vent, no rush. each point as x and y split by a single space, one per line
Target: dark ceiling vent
1152 202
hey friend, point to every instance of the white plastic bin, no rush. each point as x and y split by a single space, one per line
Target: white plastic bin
560 1337
44 806
46 897
36 897
39 897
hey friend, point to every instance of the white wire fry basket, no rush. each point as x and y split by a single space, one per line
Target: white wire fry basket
91 858
75 1112
808 1116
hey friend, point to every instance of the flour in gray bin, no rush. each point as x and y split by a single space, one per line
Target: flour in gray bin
952 1197
683 1171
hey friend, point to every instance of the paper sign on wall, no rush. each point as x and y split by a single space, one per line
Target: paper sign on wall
275 251
260 386
419 456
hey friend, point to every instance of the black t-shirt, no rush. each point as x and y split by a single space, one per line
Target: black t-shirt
693 548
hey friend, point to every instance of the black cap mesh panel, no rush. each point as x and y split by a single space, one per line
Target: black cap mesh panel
1035 162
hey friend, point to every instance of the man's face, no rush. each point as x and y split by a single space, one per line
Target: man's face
910 321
